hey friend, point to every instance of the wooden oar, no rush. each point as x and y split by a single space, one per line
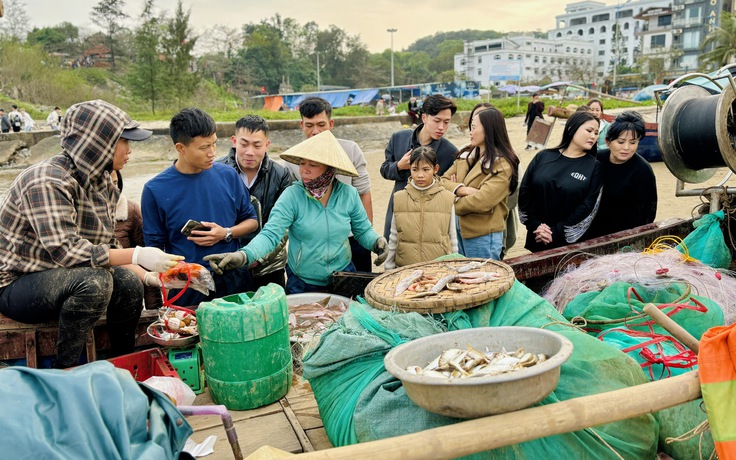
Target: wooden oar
672 327
496 431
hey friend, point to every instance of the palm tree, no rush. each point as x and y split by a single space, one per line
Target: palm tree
723 41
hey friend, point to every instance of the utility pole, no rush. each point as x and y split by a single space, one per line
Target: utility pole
317 70
391 31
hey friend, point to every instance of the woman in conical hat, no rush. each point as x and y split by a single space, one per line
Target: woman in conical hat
319 213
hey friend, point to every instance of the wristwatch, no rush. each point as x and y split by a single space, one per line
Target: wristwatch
228 235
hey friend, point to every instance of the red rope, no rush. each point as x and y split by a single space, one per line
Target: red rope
170 302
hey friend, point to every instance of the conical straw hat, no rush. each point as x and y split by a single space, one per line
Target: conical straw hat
322 148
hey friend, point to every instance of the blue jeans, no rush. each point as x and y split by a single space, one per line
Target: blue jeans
484 247
296 285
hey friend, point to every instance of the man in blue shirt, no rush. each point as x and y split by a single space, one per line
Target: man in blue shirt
197 188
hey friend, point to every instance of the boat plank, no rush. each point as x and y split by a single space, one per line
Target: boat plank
546 263
269 430
318 438
306 411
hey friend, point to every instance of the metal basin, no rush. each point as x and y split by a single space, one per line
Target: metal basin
486 395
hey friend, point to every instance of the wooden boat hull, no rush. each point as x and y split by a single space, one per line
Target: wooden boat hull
539 268
648 146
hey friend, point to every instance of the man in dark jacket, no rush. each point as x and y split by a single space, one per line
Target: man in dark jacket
437 111
4 122
265 180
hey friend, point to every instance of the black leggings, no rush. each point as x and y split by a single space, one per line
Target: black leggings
77 298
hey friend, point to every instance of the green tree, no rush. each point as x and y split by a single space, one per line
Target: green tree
721 42
109 15
417 68
178 43
445 59
266 55
147 77
63 38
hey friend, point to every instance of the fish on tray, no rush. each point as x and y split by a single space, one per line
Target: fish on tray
454 282
313 318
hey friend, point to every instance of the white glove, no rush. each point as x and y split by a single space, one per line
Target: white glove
154 259
151 279
227 261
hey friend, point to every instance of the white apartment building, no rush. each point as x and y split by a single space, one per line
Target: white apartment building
596 22
657 53
536 58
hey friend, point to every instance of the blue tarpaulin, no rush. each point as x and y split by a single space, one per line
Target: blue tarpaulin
335 98
92 411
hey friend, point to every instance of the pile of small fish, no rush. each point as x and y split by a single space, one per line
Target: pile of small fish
456 364
426 285
310 319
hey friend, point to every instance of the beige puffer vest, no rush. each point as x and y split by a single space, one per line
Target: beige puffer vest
422 224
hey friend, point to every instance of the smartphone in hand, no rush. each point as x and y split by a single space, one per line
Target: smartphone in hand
192 224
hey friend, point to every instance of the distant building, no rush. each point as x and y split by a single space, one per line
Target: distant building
657 55
596 23
499 61
692 21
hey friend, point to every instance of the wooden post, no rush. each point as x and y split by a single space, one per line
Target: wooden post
672 327
488 433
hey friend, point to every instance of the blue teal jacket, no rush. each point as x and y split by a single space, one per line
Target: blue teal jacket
318 235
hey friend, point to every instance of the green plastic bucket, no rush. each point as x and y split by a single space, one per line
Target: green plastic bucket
245 347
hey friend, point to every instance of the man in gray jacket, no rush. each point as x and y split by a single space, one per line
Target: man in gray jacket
265 180
317 117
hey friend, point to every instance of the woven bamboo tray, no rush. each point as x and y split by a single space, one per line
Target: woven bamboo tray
380 293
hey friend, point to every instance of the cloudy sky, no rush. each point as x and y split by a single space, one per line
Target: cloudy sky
367 18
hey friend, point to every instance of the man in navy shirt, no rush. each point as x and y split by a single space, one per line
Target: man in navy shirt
197 188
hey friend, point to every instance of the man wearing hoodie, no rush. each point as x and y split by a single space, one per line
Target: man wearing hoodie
265 180
59 259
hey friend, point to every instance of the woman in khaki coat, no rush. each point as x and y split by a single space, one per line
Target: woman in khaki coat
482 177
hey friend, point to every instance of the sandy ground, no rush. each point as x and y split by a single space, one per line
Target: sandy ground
137 173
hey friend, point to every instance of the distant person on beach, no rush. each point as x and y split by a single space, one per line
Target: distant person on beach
561 189
534 110
423 224
380 105
412 108
58 255
16 119
196 187
596 106
265 180
4 122
316 116
437 112
54 119
28 123
629 197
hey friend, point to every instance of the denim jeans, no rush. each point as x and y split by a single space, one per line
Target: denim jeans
296 285
484 247
77 298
